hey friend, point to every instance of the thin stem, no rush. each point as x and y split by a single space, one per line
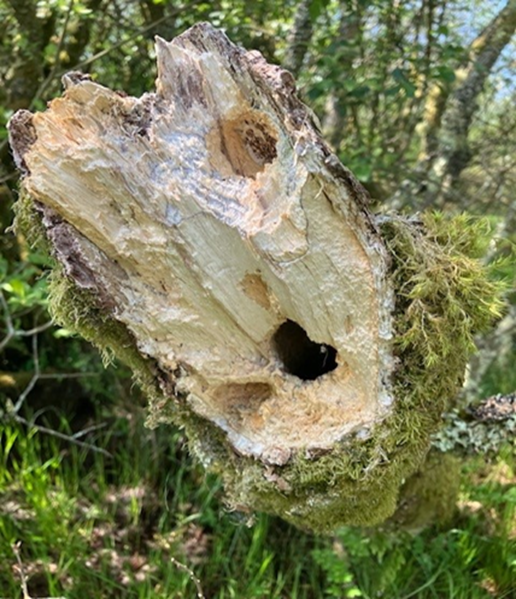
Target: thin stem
58 435
193 577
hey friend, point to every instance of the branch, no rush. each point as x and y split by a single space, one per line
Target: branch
484 429
484 51
191 575
299 38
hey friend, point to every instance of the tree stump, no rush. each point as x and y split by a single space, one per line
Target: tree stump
207 235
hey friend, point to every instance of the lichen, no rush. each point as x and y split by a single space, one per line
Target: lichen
443 297
486 438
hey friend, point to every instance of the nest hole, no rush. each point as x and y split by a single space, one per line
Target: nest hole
301 356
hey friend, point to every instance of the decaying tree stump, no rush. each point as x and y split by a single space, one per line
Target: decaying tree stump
207 235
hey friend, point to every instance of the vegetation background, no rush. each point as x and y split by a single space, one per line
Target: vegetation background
417 98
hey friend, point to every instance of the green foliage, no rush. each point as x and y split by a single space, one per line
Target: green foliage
26 287
92 525
339 574
96 526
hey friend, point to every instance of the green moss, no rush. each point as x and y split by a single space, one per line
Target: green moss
443 297
27 222
430 495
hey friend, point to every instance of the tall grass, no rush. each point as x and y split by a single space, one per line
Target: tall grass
98 526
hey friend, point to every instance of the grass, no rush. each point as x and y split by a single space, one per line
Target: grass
95 526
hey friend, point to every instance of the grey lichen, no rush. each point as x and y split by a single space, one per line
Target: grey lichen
486 438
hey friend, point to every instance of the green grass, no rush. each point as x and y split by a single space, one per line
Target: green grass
94 526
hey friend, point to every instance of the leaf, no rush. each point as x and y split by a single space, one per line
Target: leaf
16 287
362 170
408 87
63 334
360 91
317 7
446 74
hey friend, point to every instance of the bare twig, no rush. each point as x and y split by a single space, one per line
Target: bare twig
67 375
23 396
90 429
53 433
193 577
12 411
8 177
16 551
11 331
8 322
23 578
34 331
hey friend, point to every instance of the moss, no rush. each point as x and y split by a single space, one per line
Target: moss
27 222
430 495
444 296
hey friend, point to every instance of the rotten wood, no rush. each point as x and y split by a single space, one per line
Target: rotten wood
212 220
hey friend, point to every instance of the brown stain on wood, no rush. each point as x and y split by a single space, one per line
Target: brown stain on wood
242 145
256 289
241 403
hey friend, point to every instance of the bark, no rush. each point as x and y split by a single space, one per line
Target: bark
299 38
449 112
207 235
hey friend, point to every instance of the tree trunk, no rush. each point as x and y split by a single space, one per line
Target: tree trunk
206 235
449 111
299 38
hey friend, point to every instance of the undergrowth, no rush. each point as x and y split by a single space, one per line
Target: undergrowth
97 526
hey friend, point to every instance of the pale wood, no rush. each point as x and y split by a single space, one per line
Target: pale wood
205 216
